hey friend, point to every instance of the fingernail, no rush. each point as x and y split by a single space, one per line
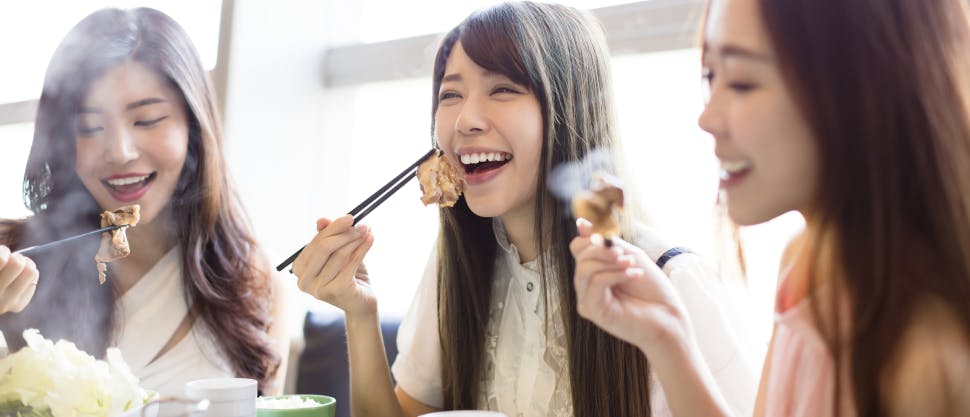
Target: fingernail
596 239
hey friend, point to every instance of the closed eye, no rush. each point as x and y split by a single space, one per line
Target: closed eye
741 87
448 95
505 90
149 123
88 131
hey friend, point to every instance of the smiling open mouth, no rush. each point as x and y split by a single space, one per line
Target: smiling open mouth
128 185
485 161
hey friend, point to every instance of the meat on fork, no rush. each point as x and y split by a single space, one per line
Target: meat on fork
114 246
601 205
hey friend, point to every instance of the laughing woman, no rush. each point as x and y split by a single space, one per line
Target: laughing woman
127 116
494 323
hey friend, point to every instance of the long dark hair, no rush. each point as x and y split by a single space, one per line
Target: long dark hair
560 54
226 279
885 87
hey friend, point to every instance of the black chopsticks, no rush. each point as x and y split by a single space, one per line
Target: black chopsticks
31 250
368 205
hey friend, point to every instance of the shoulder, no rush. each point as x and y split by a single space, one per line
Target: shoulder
792 248
931 369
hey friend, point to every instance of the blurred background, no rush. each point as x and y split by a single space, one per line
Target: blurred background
325 101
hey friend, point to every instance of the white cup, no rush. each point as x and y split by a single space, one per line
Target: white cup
464 413
228 397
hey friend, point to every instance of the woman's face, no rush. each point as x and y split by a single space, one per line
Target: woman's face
132 139
768 154
493 126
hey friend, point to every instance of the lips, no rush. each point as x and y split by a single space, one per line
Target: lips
128 187
480 167
733 172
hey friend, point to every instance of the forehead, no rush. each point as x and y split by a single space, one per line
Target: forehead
129 81
736 23
459 61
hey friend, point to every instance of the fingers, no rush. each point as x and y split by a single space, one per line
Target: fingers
335 235
23 287
336 263
584 227
11 266
355 268
322 223
581 241
18 283
594 301
596 261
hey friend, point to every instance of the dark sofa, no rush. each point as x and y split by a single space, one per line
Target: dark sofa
323 362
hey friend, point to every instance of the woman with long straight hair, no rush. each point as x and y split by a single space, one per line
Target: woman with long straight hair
857 115
518 89
128 116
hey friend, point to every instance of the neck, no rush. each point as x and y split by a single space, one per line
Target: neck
149 243
520 228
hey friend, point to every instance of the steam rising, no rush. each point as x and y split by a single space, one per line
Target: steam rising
568 179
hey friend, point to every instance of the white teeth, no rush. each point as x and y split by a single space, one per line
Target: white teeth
126 181
729 168
475 158
734 166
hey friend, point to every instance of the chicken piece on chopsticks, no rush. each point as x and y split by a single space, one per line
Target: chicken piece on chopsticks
441 182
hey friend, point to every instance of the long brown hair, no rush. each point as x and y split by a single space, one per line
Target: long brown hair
226 279
885 87
560 54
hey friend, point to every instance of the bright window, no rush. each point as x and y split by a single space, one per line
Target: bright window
381 19
31 32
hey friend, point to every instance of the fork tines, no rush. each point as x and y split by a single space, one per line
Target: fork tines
370 203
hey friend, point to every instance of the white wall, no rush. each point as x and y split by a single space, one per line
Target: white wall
298 151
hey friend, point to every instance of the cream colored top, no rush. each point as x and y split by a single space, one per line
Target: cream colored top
148 315
526 368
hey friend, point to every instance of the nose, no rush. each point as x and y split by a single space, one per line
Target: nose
472 119
712 119
120 146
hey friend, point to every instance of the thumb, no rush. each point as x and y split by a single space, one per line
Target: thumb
322 223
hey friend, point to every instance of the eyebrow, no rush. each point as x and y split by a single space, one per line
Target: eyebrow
131 106
735 51
456 77
144 102
451 77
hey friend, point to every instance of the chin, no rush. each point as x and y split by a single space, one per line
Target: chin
483 208
749 216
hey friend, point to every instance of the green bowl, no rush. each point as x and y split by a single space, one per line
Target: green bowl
327 407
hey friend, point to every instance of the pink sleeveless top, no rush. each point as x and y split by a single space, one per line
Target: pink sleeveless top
800 381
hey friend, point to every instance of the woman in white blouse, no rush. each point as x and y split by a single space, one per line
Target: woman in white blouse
127 116
521 88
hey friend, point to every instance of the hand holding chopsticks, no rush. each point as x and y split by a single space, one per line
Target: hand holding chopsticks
369 204
30 251
18 282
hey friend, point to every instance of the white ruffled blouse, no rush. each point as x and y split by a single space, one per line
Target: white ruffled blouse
526 366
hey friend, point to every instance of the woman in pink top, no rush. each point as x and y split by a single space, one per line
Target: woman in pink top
857 115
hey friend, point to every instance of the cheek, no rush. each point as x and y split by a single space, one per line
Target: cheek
443 128
174 148
86 156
